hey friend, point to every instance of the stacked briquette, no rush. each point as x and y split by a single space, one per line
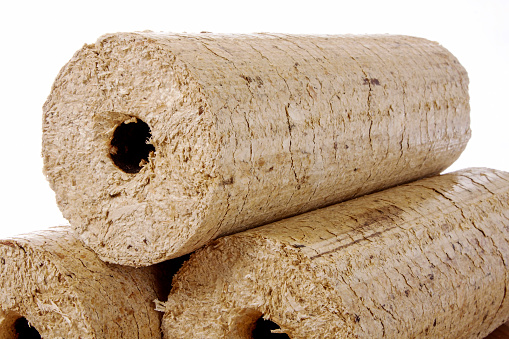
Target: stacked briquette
156 144
422 260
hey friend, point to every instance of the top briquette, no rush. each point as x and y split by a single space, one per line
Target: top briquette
156 143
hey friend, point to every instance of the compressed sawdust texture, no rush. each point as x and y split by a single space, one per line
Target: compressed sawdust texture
157 143
51 286
426 259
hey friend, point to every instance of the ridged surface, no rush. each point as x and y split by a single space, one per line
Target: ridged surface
247 129
426 259
65 291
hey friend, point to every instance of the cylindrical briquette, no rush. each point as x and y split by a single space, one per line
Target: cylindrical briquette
426 259
51 286
157 143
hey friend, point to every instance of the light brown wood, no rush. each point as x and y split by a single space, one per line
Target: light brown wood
57 286
244 130
423 260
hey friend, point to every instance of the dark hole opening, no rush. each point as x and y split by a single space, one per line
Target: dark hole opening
129 147
168 269
24 330
263 329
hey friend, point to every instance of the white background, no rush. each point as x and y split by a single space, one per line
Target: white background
39 37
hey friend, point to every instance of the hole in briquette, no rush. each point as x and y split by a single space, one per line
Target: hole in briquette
129 148
24 330
263 329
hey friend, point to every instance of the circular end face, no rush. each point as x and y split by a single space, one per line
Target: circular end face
29 282
24 330
263 329
53 287
130 147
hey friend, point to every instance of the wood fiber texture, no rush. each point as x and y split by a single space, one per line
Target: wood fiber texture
63 290
427 259
245 130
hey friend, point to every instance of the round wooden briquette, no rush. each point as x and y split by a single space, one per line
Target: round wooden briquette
157 143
